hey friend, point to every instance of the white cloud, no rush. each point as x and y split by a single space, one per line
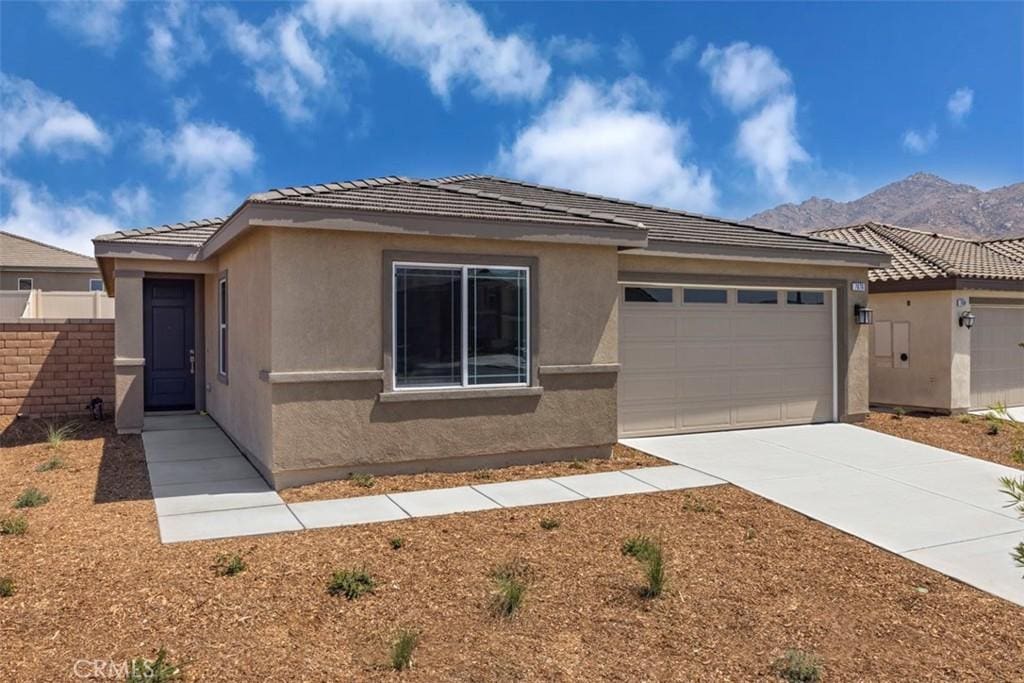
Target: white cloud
746 76
572 50
743 74
32 117
31 211
681 51
286 70
209 158
628 53
175 41
768 141
610 141
448 40
919 142
97 23
960 104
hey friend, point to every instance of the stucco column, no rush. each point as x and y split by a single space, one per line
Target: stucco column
859 363
129 363
960 361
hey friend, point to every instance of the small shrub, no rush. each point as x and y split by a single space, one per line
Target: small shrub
6 587
695 504
401 649
576 465
352 583
31 498
13 526
750 534
798 666
993 428
1018 454
54 463
57 435
363 480
229 565
1018 555
482 475
898 413
637 547
966 419
396 543
654 572
511 579
157 670
547 524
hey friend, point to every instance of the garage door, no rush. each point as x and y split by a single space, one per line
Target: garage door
702 359
997 360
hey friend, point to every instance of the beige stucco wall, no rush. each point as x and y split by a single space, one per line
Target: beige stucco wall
853 388
50 281
327 308
241 405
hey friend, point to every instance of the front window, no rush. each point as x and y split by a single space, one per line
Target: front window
24 284
222 326
95 285
460 326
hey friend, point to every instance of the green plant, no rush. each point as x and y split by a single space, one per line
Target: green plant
993 428
637 547
799 666
54 463
966 419
229 565
352 583
548 523
157 670
363 480
31 498
511 580
654 572
695 504
401 648
1018 454
56 435
13 526
1014 488
576 465
7 588
898 413
396 543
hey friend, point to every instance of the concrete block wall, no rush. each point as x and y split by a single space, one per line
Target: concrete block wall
55 367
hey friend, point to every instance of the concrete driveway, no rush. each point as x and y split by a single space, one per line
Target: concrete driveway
937 508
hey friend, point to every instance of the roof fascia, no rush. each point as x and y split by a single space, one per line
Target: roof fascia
724 252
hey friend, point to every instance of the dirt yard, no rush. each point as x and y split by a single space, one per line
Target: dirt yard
967 434
746 580
623 458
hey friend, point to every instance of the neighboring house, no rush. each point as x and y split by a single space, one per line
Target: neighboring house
27 264
393 324
927 351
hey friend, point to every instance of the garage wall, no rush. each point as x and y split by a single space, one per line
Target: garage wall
853 338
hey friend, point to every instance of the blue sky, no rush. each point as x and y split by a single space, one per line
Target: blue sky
118 114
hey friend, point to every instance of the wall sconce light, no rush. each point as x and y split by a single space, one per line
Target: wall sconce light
967 319
863 315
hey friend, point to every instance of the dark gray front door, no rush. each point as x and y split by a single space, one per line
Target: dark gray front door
170 344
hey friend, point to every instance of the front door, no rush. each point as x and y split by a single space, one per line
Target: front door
170 344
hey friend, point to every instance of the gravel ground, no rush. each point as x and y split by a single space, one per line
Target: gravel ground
746 579
967 434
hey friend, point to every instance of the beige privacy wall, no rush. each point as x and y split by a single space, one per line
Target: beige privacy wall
853 339
328 308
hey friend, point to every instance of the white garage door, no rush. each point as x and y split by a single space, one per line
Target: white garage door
703 359
997 359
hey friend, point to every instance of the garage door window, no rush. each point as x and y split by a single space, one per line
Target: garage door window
805 298
649 295
757 296
705 296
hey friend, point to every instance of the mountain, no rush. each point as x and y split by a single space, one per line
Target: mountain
921 200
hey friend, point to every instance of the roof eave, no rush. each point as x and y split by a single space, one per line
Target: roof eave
858 259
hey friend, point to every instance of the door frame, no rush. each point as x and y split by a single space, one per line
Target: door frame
199 308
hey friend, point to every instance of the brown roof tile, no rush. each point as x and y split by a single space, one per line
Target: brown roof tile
189 234
21 252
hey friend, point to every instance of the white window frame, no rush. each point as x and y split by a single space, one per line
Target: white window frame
95 279
464 341
31 284
222 325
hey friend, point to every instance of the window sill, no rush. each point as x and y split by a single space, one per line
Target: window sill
455 394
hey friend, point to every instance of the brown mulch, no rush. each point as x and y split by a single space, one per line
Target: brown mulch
960 434
622 458
746 580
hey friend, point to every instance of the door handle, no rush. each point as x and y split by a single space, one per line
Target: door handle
192 361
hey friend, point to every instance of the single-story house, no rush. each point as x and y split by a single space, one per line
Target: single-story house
394 324
948 319
26 264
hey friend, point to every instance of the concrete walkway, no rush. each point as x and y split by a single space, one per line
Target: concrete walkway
204 488
935 507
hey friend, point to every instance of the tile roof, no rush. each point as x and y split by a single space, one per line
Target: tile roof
21 252
188 234
920 255
487 198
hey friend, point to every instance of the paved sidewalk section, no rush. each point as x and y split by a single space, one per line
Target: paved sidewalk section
938 508
204 488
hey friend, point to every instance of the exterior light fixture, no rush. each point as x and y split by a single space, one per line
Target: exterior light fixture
967 319
863 315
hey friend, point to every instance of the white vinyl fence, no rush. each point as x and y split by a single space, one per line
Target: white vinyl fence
39 304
